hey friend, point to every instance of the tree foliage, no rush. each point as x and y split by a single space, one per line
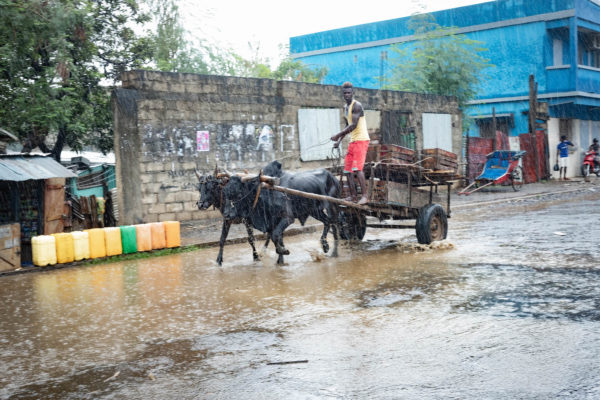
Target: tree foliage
441 62
296 70
58 59
176 52
54 55
173 51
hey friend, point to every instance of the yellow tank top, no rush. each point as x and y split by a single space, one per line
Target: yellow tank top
360 132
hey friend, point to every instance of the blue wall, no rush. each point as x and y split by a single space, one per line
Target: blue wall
516 51
477 14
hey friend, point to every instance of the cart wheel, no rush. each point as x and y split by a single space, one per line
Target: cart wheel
353 225
516 178
432 224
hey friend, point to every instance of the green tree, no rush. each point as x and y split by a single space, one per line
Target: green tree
439 61
56 58
288 69
296 70
173 51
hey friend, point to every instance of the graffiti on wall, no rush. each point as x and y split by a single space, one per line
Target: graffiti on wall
244 145
287 137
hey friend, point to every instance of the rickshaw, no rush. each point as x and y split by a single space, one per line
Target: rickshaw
502 166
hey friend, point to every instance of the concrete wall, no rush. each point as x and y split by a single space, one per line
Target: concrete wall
161 121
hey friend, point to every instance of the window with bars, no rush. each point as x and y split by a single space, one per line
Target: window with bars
396 128
91 180
564 128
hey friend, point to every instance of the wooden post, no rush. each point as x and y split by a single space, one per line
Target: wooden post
494 128
467 166
532 123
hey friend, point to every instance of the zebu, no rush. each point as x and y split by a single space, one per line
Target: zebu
211 194
268 211
319 181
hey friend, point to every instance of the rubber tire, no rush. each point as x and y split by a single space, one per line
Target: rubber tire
585 170
516 178
353 226
431 224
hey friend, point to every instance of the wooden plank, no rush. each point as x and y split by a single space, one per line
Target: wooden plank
10 247
440 153
541 108
54 200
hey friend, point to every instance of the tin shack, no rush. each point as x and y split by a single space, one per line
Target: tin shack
32 195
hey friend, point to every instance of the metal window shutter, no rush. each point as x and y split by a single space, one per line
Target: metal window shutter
315 127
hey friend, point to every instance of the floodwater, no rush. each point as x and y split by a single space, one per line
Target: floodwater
507 307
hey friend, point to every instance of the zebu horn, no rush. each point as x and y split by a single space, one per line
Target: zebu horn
258 190
216 169
198 173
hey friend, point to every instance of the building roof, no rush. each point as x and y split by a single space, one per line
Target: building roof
23 167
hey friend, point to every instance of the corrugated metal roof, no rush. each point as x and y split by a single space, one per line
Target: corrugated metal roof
24 167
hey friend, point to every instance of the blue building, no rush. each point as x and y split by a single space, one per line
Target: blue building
557 41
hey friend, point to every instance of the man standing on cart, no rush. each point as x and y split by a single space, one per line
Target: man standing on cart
356 126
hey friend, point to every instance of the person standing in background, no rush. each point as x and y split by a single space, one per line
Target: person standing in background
562 155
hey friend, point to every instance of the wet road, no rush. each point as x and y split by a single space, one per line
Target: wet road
508 307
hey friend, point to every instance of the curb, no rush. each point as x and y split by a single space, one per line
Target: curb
183 248
517 198
290 232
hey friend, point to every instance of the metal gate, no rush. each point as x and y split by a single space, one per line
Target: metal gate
396 128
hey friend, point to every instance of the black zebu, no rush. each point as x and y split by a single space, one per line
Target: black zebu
211 194
319 181
269 211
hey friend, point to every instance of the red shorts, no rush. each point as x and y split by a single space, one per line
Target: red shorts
355 158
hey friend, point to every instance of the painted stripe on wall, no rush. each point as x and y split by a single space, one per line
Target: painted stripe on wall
540 96
474 28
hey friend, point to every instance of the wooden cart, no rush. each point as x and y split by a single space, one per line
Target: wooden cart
396 192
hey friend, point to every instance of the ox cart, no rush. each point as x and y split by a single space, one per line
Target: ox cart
396 192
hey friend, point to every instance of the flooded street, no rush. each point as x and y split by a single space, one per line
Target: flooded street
507 307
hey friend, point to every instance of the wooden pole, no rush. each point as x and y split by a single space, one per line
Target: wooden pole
532 120
467 166
316 196
494 128
271 182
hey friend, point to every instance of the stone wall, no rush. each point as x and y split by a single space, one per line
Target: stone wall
167 125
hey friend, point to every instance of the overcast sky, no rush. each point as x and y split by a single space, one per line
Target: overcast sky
270 23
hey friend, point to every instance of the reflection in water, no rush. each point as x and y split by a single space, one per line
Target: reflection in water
495 312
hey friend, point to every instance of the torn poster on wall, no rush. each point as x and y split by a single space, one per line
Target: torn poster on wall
202 141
